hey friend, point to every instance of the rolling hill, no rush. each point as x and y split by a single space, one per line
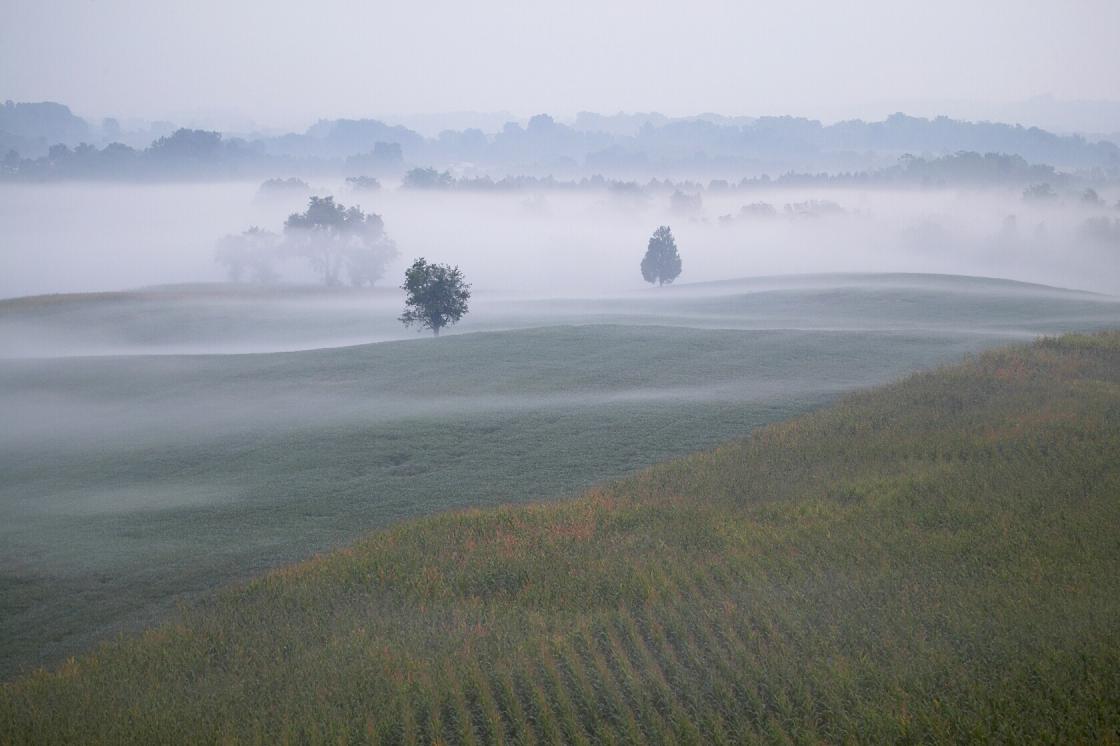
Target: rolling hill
133 483
935 559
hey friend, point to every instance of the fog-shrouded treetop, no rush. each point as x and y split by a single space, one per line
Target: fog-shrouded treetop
334 238
249 256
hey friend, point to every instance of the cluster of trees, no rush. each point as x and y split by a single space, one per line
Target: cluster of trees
385 158
1044 192
812 208
363 183
753 211
965 168
652 143
277 186
185 153
430 178
336 241
204 154
968 168
32 127
334 238
291 186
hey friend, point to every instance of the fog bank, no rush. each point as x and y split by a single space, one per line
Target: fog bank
73 237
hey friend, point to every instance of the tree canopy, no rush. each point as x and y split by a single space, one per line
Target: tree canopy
662 263
437 295
428 178
333 237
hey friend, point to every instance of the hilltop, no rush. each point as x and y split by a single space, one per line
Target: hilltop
930 560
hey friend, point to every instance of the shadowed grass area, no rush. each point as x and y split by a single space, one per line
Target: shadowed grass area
932 560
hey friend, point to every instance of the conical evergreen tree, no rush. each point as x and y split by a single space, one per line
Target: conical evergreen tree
661 263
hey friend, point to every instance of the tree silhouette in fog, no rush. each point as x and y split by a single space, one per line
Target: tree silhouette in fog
662 263
249 256
333 238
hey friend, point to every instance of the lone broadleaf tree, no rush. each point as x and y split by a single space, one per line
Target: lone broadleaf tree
662 263
436 295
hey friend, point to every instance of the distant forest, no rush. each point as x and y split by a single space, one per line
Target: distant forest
46 141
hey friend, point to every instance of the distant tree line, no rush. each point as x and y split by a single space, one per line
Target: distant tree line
197 154
183 154
291 185
622 147
200 154
661 145
957 169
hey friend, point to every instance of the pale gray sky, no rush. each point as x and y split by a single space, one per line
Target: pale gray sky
287 63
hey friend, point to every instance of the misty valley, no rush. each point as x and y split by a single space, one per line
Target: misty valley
579 428
161 461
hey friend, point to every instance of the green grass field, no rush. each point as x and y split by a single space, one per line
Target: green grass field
132 483
933 560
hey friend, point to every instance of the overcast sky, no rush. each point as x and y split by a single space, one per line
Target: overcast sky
285 63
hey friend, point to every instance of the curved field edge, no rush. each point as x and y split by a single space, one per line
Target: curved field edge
931 560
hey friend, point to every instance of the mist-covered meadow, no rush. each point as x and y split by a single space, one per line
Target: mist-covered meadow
626 373
138 478
168 431
89 236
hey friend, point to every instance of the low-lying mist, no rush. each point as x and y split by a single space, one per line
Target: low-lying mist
224 319
74 237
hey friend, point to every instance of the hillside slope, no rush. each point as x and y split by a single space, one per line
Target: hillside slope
936 559
128 485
